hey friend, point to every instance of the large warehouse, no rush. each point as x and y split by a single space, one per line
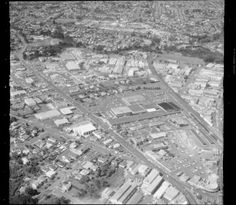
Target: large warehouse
47 114
133 99
84 128
121 111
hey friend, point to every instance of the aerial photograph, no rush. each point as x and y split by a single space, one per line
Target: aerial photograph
116 102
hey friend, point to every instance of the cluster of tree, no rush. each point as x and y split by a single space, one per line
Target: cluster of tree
96 181
204 53
51 199
207 38
15 179
33 168
12 119
25 198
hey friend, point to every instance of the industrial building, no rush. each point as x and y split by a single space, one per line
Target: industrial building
132 99
47 114
134 118
121 111
148 180
84 128
151 176
136 198
67 110
153 186
61 122
137 109
114 199
159 193
127 194
171 193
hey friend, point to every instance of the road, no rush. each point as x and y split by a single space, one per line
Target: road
113 134
186 107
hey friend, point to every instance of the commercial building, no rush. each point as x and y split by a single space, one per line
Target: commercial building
84 128
121 111
30 102
72 65
79 151
29 80
17 93
194 180
158 135
108 141
47 114
151 110
61 122
89 165
67 110
143 169
159 193
97 134
171 193
184 177
134 168
180 199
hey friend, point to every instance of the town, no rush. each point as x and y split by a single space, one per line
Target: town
116 102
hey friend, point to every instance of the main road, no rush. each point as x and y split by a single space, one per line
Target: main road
178 184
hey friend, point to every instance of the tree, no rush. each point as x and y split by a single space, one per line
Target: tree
23 199
31 192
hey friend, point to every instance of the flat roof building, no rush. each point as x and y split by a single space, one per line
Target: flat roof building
47 114
121 111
